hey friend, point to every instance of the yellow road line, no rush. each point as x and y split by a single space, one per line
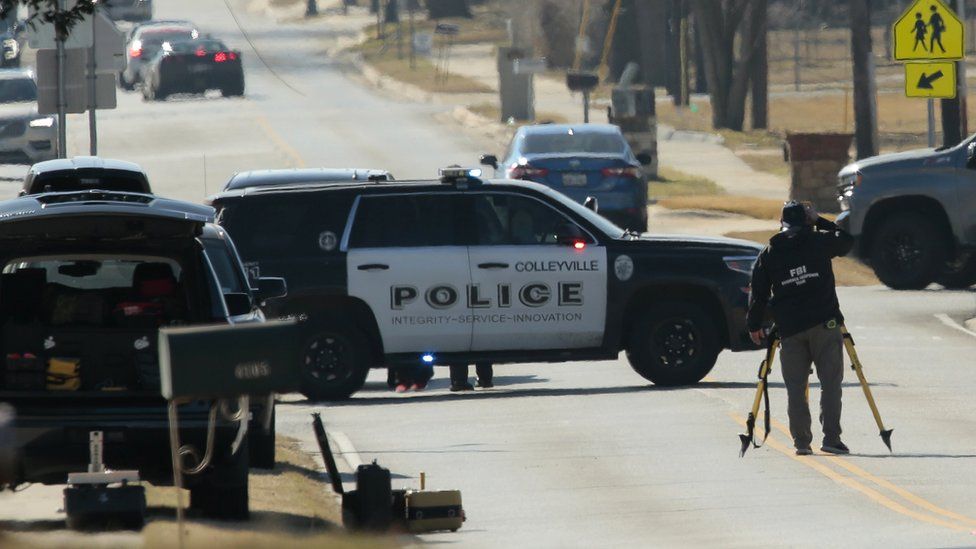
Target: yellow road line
853 483
280 142
888 485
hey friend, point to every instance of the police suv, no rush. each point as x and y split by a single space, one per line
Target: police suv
465 270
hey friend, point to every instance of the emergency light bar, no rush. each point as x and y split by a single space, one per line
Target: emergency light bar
457 174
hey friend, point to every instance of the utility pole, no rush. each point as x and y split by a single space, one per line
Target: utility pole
62 105
759 67
92 91
865 106
952 113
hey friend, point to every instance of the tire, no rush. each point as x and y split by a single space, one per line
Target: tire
335 362
124 83
236 90
262 446
674 343
961 277
223 493
908 251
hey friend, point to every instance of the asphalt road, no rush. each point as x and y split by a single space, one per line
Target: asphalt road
576 454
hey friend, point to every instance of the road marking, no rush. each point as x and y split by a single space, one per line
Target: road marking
872 494
347 450
944 318
280 142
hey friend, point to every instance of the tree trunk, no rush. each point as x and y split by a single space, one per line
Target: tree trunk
951 121
728 78
865 108
759 71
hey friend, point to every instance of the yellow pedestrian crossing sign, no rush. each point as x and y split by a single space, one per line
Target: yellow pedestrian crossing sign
933 80
928 30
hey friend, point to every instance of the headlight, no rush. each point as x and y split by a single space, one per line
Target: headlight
45 122
845 189
740 264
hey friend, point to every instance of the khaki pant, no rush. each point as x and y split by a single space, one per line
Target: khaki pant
824 348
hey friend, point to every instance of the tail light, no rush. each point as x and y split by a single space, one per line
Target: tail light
220 57
628 171
232 56
526 171
135 51
201 52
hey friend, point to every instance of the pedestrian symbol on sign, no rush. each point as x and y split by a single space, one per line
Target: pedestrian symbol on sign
928 30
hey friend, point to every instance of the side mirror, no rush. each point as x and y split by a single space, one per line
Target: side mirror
238 303
270 288
489 160
569 234
591 203
645 158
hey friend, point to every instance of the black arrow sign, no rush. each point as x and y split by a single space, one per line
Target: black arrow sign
925 82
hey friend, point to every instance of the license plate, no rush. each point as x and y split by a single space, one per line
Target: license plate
198 68
574 179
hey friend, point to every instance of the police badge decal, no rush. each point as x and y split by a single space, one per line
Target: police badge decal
623 267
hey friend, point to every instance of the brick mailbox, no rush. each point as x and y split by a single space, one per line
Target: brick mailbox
815 159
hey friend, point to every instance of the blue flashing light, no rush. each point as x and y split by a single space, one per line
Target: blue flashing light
427 358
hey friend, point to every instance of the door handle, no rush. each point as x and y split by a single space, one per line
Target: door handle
492 265
373 267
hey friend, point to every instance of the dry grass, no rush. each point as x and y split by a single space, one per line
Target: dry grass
493 112
759 208
671 183
847 271
765 160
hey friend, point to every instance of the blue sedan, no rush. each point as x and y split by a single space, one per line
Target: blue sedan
581 161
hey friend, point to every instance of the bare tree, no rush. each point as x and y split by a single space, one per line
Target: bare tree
719 23
47 11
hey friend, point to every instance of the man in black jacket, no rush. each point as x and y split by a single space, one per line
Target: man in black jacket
794 276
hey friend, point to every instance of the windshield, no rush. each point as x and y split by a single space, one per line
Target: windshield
190 46
605 225
572 142
17 90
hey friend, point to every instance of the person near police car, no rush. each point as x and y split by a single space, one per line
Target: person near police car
459 376
794 277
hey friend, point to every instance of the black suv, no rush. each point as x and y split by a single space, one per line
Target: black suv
87 280
469 270
83 173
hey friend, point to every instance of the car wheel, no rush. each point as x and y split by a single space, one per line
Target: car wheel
959 277
908 252
262 444
236 90
335 362
673 343
124 83
222 493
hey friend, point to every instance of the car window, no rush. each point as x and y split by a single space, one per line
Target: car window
406 221
287 226
570 142
225 265
17 90
508 219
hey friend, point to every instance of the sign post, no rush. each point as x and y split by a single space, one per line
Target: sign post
930 38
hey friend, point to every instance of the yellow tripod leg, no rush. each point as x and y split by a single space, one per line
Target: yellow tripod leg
856 366
764 368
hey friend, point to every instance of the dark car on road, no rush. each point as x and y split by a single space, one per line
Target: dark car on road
581 161
144 43
84 173
303 176
192 66
467 270
88 279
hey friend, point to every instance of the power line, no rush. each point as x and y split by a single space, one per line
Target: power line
258 53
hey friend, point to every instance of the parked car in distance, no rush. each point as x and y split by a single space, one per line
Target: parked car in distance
581 161
303 176
128 10
145 41
25 136
192 66
83 173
